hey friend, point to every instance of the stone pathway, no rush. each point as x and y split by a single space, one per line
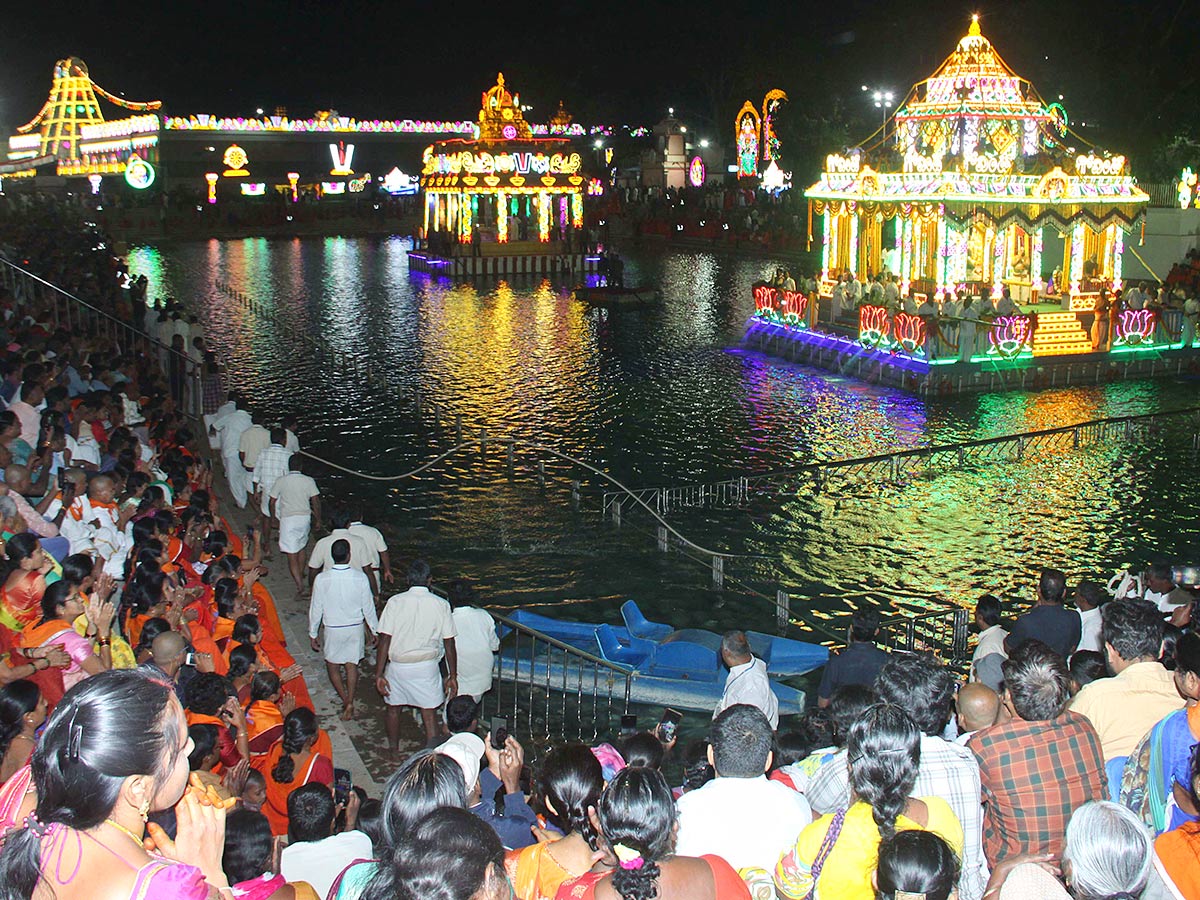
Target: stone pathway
361 745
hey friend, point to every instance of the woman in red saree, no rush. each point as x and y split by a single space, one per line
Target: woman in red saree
304 754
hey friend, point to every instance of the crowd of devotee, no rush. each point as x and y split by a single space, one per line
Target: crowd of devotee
158 739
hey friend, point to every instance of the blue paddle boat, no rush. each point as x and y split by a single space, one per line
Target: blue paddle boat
680 668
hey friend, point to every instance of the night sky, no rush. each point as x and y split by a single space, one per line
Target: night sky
1129 69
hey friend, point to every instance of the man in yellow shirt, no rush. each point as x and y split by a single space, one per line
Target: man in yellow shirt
1141 692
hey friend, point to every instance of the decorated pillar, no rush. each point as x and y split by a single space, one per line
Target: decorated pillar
543 209
999 258
501 218
827 225
906 257
1077 241
1118 253
1035 261
852 262
577 209
466 208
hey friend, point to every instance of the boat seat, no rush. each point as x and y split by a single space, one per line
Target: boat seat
640 626
638 653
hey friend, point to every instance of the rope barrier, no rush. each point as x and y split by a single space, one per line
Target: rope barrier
535 448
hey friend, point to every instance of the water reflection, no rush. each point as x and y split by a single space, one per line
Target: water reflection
661 396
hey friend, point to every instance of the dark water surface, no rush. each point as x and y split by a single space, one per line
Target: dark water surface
663 396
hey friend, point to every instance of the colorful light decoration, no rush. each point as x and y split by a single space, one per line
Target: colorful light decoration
577 210
1187 188
781 307
253 188
1077 236
485 163
94 181
774 179
770 141
235 159
1135 327
874 327
358 185
501 218
293 185
1010 336
746 130
1118 257
333 187
595 187
211 178
139 174
697 172
398 184
1035 260
342 155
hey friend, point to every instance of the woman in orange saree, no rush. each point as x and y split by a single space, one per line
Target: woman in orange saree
304 754
21 595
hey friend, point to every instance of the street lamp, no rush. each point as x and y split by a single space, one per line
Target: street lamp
704 142
883 99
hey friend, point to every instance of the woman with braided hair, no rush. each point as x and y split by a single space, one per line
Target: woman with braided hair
301 756
570 785
637 818
836 854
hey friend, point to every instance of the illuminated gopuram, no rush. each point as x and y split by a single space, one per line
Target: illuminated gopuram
969 184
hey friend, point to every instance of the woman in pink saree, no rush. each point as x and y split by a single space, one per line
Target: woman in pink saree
114 750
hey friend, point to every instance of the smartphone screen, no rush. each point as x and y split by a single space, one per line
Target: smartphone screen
343 784
499 732
190 659
668 724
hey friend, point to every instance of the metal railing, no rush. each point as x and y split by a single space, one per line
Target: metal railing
550 691
77 315
901 465
945 633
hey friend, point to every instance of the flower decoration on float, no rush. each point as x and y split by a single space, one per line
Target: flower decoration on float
1010 335
1135 328
874 327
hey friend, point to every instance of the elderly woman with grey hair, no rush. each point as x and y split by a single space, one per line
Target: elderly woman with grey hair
1107 856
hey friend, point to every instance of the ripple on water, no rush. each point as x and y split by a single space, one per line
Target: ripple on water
663 396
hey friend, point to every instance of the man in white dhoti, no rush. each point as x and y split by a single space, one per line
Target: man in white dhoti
415 631
342 602
229 430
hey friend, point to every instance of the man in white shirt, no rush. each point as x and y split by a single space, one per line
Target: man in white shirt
415 631
1162 591
989 652
272 463
747 681
342 601
476 640
229 429
360 555
295 503
1089 597
716 817
381 562
1135 297
315 854
891 294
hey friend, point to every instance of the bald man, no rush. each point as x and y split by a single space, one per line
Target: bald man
977 706
168 652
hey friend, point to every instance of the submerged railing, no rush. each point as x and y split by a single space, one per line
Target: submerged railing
901 465
944 632
550 691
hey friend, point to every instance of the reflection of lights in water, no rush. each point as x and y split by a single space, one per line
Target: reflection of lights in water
659 396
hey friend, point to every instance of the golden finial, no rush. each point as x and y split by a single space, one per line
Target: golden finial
974 29
500 75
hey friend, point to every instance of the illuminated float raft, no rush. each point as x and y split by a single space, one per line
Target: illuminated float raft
506 203
975 186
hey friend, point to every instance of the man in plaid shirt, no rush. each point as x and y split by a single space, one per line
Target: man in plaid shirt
1040 766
